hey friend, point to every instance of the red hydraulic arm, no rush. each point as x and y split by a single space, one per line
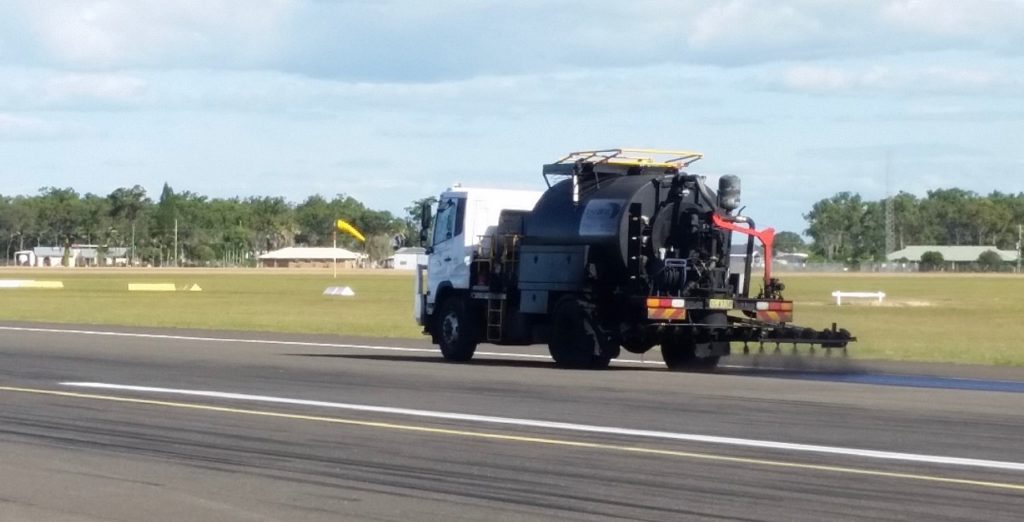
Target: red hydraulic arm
766 237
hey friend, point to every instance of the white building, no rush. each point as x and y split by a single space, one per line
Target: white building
952 255
311 257
407 258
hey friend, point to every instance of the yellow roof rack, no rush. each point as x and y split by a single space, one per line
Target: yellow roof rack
638 157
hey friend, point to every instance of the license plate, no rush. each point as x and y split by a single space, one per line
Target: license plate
720 304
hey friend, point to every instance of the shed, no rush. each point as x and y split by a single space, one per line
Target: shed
311 257
407 258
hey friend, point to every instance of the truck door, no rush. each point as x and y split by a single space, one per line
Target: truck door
448 259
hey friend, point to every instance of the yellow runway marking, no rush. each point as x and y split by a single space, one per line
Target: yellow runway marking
525 439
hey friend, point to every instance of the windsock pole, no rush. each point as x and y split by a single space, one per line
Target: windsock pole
334 252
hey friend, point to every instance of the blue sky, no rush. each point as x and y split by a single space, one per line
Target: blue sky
390 101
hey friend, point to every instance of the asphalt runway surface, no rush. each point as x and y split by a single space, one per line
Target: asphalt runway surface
101 423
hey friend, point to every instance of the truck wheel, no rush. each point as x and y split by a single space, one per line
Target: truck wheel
638 347
573 342
687 353
681 355
455 331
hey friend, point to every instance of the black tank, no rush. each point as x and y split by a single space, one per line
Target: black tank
601 217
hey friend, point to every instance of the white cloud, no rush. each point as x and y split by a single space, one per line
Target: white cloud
899 79
743 23
599 91
117 33
100 87
14 127
955 17
410 41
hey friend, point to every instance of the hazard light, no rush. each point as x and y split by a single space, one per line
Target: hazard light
775 306
660 302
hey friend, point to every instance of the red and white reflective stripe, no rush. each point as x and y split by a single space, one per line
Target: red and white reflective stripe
775 317
666 314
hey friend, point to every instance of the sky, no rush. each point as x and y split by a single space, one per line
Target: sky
390 101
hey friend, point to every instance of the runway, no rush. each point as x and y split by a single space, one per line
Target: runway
128 424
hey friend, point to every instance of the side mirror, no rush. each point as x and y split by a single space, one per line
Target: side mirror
426 219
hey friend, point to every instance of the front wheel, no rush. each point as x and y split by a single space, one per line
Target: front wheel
455 331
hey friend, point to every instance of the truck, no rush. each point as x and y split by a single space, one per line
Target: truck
624 250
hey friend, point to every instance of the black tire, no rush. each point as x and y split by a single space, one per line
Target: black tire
456 333
573 342
637 347
681 354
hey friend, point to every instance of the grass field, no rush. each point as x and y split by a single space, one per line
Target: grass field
262 300
949 318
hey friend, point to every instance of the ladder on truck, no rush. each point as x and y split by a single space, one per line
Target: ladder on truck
495 319
496 301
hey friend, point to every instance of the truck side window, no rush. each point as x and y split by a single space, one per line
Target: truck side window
450 218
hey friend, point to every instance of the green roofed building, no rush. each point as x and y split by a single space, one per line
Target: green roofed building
954 256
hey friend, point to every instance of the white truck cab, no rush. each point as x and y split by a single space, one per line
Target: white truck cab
464 217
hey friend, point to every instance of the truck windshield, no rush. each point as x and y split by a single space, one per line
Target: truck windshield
449 219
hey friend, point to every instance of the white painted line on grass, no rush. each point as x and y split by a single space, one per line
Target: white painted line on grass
566 426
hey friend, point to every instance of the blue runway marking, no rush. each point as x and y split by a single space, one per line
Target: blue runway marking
915 381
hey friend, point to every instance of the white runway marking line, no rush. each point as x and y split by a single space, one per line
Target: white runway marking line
288 343
566 426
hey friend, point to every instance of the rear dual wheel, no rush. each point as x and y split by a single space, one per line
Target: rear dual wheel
574 340
693 353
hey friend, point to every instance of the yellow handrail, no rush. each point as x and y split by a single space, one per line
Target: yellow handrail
638 157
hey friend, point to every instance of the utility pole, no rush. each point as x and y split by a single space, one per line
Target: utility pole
175 241
131 259
1020 239
890 210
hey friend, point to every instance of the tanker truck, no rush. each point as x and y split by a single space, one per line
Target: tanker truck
625 250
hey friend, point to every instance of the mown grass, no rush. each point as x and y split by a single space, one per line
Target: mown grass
948 318
260 300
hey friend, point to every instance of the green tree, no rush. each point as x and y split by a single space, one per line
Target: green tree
18 224
272 222
378 247
932 261
60 214
127 205
835 224
165 218
789 242
945 213
909 228
988 219
414 220
97 226
315 220
991 261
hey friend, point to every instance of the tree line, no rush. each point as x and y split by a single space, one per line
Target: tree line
185 228
844 228
847 228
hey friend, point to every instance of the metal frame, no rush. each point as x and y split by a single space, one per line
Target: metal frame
634 157
569 165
